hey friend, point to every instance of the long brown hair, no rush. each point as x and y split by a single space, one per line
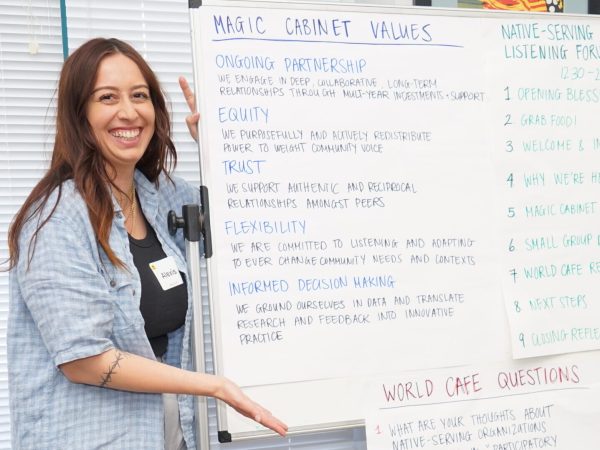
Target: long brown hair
76 154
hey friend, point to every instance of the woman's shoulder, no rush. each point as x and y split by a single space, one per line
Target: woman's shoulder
64 203
64 211
69 202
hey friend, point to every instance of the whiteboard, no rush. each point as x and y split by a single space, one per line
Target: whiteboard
390 190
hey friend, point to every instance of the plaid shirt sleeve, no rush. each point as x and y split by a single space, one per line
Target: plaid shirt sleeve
62 289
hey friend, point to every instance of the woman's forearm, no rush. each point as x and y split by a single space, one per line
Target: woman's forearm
116 369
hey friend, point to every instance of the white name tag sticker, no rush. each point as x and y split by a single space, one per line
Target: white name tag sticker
166 272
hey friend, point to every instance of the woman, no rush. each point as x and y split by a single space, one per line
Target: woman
92 313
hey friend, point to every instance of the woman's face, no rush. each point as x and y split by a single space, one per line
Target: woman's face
120 112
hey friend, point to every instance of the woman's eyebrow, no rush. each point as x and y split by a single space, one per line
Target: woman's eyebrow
113 88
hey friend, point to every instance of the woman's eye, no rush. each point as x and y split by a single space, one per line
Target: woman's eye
106 97
141 96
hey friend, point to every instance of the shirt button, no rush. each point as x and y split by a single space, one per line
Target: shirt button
134 292
113 283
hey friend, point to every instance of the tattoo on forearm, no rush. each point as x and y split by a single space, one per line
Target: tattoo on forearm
107 376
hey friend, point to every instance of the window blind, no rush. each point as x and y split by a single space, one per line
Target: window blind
30 59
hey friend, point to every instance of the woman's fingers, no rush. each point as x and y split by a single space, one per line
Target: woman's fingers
192 119
192 124
188 94
274 424
234 396
266 419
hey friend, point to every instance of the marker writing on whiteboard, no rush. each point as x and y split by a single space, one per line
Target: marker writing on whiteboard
242 114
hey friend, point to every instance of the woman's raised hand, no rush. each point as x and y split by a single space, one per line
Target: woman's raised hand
193 119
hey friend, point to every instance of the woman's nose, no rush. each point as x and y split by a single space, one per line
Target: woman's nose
127 110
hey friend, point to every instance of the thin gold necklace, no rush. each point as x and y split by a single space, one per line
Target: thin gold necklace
132 207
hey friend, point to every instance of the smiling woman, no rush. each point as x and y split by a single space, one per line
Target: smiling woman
121 113
98 286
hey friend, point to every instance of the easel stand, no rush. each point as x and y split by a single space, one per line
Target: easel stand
195 224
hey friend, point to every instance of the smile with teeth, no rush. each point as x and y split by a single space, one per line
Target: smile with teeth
127 135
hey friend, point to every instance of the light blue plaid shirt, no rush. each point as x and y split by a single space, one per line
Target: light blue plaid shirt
72 303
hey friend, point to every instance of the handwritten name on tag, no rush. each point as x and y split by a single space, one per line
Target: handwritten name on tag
166 272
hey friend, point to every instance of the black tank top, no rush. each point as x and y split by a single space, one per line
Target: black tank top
163 311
